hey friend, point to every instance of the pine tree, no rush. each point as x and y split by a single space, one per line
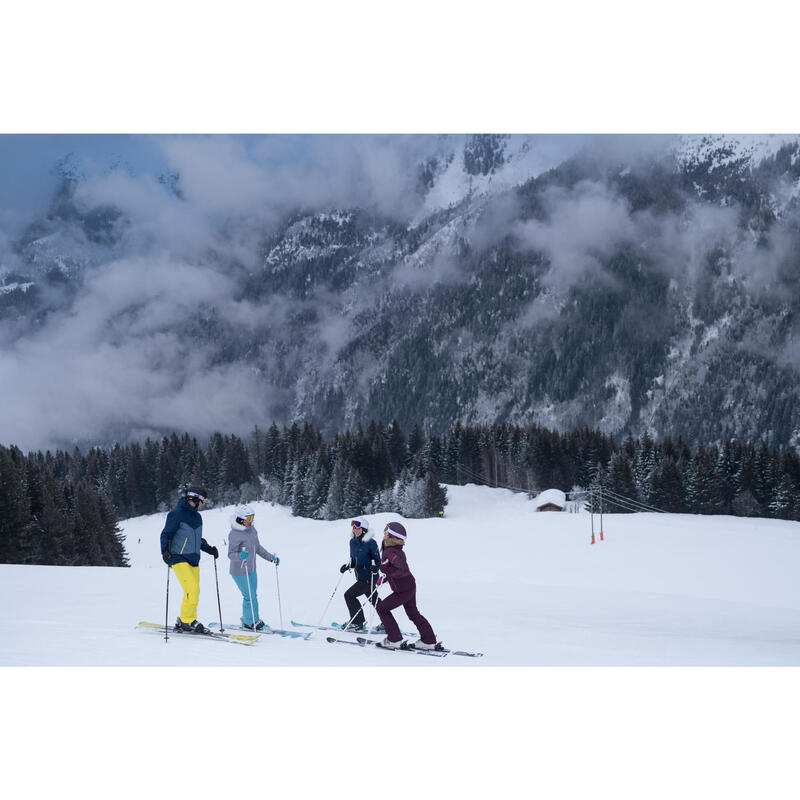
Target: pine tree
335 502
416 441
356 494
434 497
15 505
235 466
396 445
257 452
783 500
620 478
299 500
317 484
702 493
668 491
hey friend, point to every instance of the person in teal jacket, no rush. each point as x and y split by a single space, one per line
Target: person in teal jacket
365 559
181 543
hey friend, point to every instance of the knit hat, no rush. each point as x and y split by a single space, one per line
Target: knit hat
395 530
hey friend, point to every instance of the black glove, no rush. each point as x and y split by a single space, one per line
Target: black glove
344 568
167 556
212 551
374 568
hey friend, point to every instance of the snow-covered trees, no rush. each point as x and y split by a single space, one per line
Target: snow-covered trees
49 518
61 507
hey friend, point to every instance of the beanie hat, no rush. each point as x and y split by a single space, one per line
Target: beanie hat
396 530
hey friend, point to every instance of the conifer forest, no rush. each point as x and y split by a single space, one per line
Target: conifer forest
62 507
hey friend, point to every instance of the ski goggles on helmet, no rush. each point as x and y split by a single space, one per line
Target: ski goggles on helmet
193 496
249 517
356 523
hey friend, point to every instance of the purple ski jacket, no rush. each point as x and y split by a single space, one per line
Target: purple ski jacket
395 567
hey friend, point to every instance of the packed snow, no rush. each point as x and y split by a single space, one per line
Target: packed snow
493 576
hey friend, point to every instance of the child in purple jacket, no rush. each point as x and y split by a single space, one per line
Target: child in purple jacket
404 591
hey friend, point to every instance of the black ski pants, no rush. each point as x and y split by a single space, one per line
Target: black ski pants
354 606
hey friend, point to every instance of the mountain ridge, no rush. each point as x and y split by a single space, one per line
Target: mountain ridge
640 284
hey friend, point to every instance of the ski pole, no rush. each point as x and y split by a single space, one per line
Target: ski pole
369 598
372 608
331 600
278 584
250 592
219 605
166 613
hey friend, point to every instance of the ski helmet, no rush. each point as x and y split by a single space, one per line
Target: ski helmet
362 525
196 492
243 514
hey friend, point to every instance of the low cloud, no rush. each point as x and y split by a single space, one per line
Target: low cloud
113 360
584 226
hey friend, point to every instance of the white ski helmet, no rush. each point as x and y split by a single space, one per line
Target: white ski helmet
242 513
364 526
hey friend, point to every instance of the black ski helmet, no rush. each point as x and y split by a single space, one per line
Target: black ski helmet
196 491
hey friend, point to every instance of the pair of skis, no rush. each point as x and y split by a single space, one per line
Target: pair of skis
336 626
233 638
226 635
406 647
251 638
266 631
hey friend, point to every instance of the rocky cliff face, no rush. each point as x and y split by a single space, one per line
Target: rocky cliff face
639 284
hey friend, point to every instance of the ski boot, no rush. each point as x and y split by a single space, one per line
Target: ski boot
425 646
390 645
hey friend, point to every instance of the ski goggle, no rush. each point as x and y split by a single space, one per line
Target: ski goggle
356 523
250 517
193 496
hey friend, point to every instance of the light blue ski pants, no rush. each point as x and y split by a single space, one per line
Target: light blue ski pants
247 592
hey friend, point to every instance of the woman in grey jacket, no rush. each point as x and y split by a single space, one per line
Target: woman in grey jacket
243 546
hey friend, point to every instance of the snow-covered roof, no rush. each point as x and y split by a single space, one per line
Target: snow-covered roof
554 496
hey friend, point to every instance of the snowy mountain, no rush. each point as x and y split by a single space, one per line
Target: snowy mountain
660 589
627 283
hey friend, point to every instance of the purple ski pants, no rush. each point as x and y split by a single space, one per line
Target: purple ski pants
407 599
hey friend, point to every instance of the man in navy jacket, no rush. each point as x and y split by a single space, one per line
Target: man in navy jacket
181 543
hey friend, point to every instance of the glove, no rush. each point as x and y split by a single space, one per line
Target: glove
243 554
344 568
276 561
374 568
167 556
212 551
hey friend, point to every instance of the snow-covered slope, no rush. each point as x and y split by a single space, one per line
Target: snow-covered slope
524 588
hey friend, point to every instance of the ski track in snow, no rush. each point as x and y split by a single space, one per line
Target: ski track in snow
492 576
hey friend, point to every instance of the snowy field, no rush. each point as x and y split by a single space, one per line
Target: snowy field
525 589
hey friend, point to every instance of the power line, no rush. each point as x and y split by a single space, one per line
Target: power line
635 504
607 495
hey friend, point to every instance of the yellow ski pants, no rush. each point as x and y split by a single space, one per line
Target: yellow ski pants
189 578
